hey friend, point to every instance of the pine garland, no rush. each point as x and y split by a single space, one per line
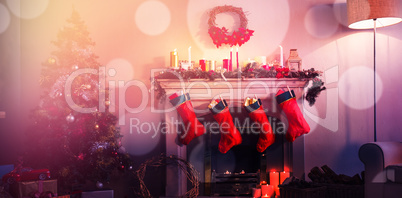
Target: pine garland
250 71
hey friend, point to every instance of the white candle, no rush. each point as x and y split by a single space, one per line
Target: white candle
281 58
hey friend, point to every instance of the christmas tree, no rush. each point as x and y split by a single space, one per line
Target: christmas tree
74 134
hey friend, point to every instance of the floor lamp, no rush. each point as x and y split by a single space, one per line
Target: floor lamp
373 14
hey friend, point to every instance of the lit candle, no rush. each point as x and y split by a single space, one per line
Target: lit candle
174 60
237 57
202 64
267 190
256 192
274 179
211 65
189 55
283 176
226 64
281 58
277 192
230 61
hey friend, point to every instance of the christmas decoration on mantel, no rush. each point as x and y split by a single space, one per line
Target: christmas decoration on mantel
76 147
221 36
250 71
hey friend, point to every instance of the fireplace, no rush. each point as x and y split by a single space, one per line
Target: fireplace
235 172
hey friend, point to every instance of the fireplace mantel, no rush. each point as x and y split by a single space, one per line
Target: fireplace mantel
234 91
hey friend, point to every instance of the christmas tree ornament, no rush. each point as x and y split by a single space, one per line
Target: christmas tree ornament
230 136
51 60
297 124
74 67
254 108
192 126
99 185
70 118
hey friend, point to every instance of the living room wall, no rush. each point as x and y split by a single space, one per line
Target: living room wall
134 37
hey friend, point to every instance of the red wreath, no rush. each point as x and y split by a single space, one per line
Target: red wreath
221 36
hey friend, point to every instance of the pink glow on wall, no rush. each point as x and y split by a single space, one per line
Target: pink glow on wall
312 27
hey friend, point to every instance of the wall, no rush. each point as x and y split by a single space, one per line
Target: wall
134 37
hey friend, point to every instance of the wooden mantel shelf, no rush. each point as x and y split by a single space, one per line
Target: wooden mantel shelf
234 91
235 83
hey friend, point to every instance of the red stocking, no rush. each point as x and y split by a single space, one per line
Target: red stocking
192 126
257 114
297 124
230 136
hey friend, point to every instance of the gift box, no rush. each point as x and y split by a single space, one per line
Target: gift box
27 188
98 194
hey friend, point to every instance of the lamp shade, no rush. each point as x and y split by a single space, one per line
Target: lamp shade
362 12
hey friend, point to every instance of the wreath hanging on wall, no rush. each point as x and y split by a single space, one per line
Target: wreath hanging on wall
221 36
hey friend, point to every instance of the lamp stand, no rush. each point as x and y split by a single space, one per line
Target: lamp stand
375 95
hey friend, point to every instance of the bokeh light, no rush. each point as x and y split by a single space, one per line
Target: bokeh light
356 88
4 18
141 132
119 70
320 21
27 9
152 17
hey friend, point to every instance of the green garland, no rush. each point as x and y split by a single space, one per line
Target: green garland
247 72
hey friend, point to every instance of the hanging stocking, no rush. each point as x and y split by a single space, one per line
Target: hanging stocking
230 136
192 126
297 124
257 114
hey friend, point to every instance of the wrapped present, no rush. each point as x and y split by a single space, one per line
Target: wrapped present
98 194
33 188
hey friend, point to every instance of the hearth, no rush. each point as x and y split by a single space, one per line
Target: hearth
242 167
202 152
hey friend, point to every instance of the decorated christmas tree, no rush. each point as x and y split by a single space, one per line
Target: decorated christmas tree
74 135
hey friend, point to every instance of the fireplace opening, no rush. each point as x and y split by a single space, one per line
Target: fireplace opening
242 167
